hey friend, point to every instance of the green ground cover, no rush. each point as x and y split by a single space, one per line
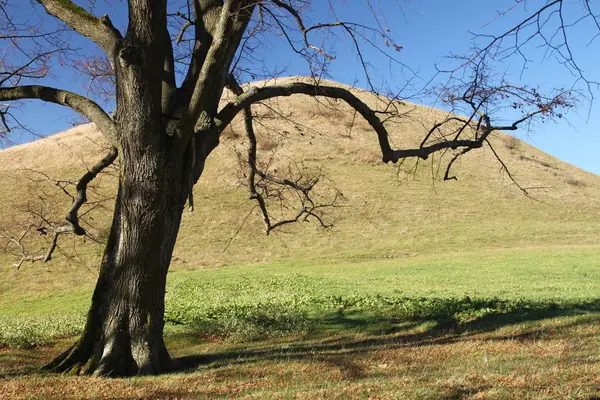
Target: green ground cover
257 301
505 324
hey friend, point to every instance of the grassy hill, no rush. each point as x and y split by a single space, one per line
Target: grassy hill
387 212
407 255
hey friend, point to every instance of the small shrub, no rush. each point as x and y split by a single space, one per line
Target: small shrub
230 134
369 157
512 143
266 144
540 162
576 182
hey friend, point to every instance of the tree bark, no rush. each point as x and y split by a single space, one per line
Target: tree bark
163 138
123 335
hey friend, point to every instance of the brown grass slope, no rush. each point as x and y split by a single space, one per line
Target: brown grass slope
387 212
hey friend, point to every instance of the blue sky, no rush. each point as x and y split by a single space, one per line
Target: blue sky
428 31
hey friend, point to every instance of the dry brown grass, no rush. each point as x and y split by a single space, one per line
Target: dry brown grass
546 360
408 209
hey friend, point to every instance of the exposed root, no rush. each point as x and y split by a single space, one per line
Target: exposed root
114 358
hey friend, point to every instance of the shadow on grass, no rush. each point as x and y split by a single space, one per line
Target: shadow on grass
342 333
445 322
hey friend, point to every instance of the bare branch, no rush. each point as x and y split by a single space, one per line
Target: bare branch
447 176
226 37
81 187
482 93
507 171
547 26
296 15
100 30
83 105
73 225
3 113
22 253
260 191
254 95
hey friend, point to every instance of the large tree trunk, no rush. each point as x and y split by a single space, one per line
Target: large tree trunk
163 135
124 331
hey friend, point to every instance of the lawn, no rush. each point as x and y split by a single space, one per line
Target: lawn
520 323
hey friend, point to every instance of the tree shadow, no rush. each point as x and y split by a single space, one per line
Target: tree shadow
344 333
387 331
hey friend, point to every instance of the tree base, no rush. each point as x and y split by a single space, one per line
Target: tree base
112 359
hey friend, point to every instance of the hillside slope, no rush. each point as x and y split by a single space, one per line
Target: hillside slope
387 211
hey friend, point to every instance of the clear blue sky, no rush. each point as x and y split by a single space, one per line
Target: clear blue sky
428 30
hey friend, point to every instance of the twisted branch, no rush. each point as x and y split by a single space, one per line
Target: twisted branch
73 225
309 208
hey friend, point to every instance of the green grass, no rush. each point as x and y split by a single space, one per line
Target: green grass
541 274
260 301
509 324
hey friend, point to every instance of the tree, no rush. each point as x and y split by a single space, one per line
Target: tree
170 68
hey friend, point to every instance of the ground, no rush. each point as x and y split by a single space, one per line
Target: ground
412 329
422 289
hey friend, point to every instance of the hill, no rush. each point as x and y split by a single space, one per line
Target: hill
387 212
